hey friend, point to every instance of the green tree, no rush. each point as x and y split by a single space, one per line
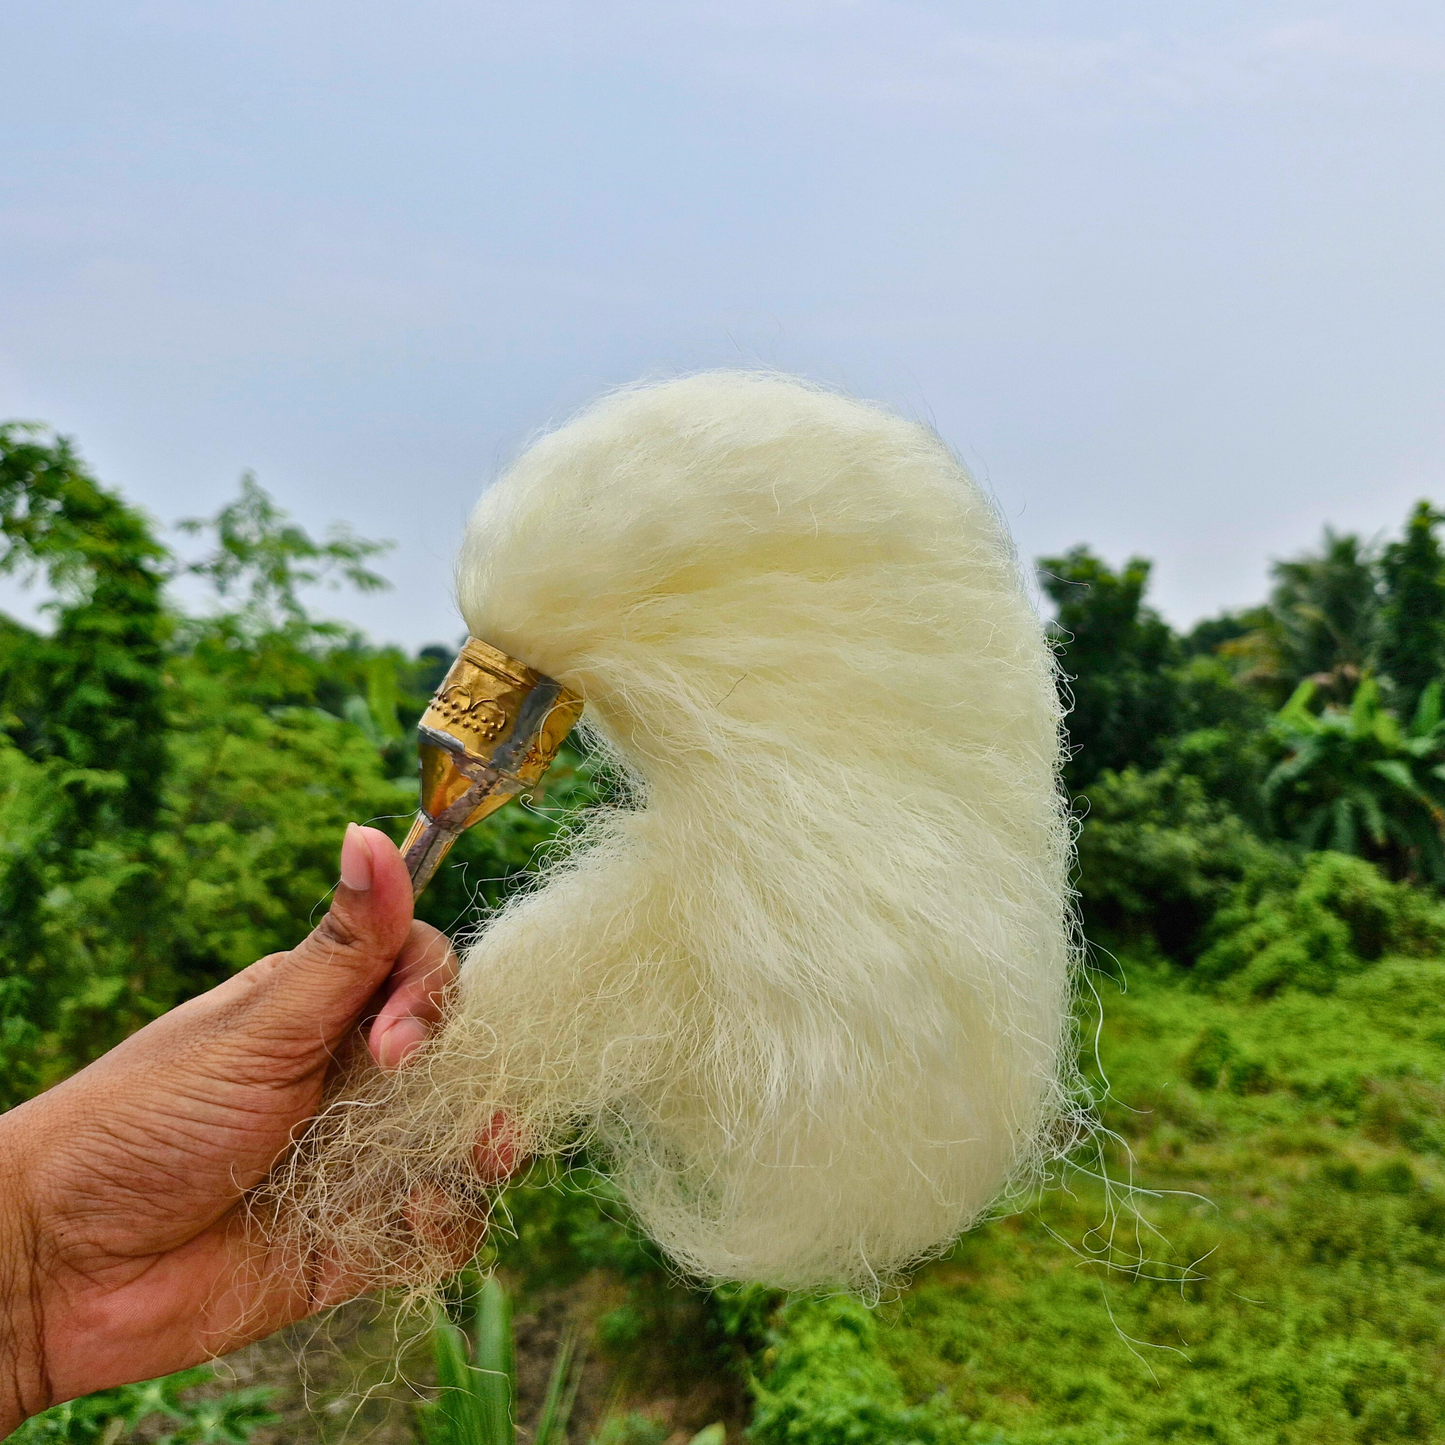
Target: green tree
84 761
1118 656
1357 782
262 637
1212 635
1325 608
90 694
1412 617
1320 623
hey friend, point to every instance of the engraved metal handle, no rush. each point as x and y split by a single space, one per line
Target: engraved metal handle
490 731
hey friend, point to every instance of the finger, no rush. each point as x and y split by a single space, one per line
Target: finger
499 1151
444 1226
424 969
325 982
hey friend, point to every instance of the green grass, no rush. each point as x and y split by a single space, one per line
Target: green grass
1278 1275
1287 1281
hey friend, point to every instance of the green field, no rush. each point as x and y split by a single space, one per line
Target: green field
1276 1273
1284 1278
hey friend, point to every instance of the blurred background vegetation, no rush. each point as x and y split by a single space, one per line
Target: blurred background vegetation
1260 805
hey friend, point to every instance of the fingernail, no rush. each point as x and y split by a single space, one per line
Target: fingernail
399 1042
355 860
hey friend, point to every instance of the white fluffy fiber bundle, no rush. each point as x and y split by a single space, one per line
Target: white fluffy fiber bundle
807 995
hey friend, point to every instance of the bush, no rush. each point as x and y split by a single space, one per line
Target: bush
1158 855
1232 761
826 1384
1333 918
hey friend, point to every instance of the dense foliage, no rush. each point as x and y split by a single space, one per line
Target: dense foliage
173 787
1358 781
1260 808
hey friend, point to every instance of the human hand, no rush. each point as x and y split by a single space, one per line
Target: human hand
126 1251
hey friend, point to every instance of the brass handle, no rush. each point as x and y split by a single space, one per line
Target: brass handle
490 731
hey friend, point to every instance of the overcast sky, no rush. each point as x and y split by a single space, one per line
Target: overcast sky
1170 278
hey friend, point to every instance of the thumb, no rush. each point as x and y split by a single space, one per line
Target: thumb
329 977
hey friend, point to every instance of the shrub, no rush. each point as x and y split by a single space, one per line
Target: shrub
1158 855
1335 917
826 1384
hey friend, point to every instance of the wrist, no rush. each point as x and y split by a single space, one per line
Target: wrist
24 1389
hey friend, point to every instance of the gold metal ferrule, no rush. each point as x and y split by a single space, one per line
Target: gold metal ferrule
490 731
